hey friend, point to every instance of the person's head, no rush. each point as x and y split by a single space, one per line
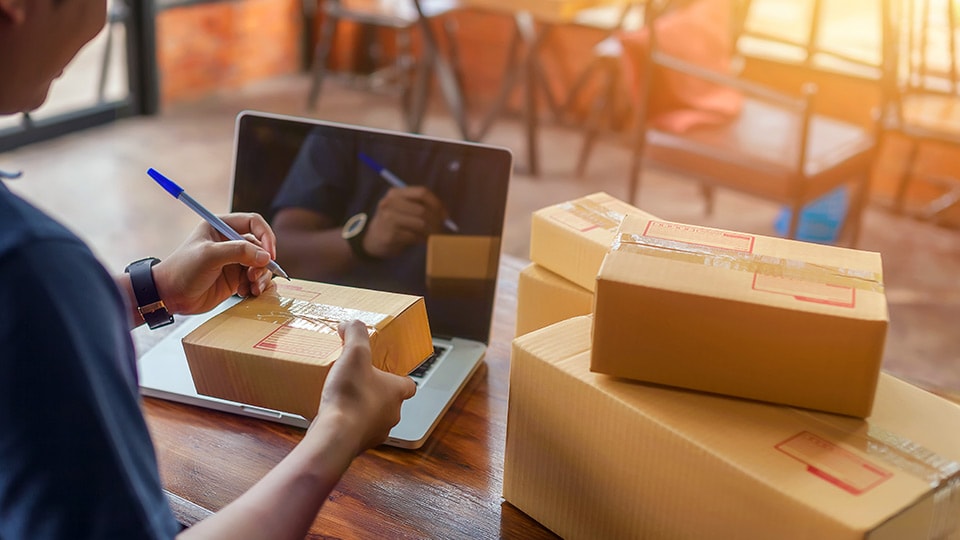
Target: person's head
38 38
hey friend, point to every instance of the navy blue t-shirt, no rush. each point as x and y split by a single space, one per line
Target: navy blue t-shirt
76 459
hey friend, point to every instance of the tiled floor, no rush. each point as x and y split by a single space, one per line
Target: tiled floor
95 182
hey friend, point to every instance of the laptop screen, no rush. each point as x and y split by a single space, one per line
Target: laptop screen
338 172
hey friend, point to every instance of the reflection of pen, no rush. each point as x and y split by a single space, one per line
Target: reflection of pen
218 224
395 181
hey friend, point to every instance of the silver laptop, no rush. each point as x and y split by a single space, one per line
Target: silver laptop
271 152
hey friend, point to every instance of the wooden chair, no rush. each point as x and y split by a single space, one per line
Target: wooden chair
403 17
605 109
924 102
775 148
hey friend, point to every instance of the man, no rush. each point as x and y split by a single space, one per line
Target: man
77 461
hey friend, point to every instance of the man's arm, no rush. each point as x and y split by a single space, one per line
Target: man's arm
358 407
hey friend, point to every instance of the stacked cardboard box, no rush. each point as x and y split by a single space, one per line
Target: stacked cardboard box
596 451
567 246
544 298
741 314
594 456
275 350
571 239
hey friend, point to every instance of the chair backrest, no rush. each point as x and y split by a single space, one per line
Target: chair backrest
658 62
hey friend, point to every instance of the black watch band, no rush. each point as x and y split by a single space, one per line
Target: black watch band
354 231
149 304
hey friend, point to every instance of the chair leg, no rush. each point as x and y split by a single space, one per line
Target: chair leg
511 72
320 59
795 210
421 94
600 111
405 65
709 198
900 196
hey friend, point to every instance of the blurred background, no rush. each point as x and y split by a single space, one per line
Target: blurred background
566 85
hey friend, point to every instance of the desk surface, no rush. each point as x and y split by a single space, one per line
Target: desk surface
450 488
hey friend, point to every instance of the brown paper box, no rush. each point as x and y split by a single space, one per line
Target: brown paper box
740 314
593 456
274 350
571 238
544 298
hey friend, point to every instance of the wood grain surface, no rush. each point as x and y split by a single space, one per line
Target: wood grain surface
450 488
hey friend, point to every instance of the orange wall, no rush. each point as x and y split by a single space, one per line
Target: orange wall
212 46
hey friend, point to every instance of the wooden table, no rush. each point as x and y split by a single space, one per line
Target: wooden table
450 488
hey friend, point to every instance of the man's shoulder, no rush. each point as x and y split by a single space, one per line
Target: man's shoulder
22 224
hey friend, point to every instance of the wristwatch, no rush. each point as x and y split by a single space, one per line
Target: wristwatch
354 231
149 304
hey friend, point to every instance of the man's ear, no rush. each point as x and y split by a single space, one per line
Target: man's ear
13 11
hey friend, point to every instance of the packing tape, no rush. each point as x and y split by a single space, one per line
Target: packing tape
940 473
594 212
748 262
310 316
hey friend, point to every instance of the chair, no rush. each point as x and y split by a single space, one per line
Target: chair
402 17
774 146
924 104
606 109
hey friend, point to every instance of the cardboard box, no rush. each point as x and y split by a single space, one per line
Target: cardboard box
274 350
570 239
740 314
593 456
459 263
544 298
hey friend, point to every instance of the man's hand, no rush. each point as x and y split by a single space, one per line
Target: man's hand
206 269
362 400
404 217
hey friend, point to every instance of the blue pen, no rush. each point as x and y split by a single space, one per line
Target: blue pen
395 181
218 224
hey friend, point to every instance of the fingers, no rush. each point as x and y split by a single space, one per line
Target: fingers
415 208
237 252
248 223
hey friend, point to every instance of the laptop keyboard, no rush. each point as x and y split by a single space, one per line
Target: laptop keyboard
419 374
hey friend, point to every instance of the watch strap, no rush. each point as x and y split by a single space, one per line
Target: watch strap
149 304
354 231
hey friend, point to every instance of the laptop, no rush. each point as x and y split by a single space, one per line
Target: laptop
268 150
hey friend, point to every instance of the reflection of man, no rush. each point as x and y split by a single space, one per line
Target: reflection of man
339 220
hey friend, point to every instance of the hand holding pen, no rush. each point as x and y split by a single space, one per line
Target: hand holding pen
178 193
397 182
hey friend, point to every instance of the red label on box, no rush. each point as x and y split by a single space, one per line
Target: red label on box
700 236
840 467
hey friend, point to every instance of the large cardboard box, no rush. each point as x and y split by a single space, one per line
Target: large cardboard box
544 298
594 456
571 238
275 350
741 314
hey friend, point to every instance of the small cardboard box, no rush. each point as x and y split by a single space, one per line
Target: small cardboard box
745 315
570 239
459 263
274 350
593 456
544 298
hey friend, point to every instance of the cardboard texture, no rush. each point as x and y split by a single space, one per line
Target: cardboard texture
571 238
544 298
740 314
462 256
461 265
274 350
593 456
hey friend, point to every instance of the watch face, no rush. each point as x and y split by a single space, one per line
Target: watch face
354 225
